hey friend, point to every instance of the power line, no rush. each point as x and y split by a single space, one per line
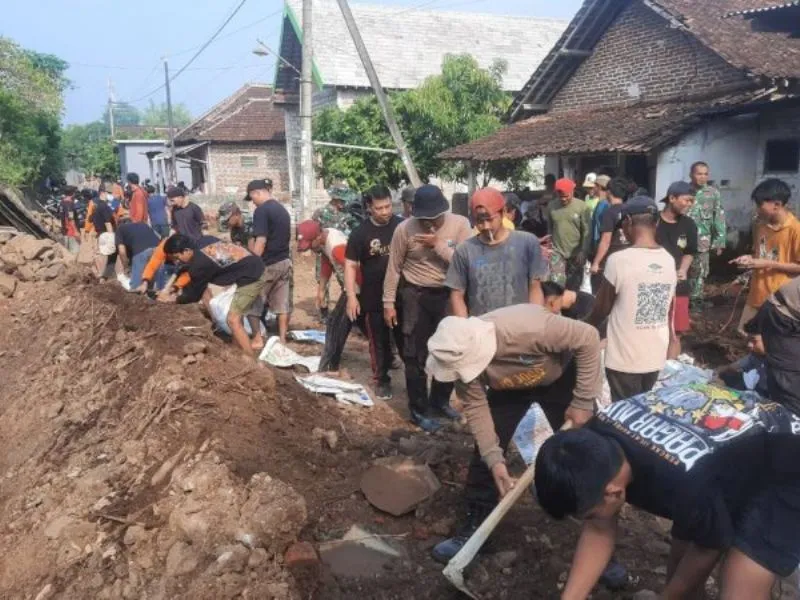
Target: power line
234 32
195 55
211 39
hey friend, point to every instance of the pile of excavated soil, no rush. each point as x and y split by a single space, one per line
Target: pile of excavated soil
142 457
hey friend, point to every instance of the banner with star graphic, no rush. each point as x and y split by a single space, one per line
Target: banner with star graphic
684 424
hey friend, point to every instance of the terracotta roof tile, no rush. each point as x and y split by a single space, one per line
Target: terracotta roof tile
612 129
249 115
762 43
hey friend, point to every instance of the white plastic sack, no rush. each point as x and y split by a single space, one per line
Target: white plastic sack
219 307
344 392
586 282
279 355
308 335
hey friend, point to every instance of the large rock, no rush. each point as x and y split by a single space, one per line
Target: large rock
8 285
27 273
30 247
10 258
214 510
398 485
51 272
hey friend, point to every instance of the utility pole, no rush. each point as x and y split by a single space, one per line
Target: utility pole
173 167
388 113
306 92
111 107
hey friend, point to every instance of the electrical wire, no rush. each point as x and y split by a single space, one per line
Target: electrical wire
194 56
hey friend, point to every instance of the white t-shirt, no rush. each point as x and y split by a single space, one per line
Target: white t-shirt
638 326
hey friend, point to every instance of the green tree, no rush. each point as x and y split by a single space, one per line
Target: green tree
460 105
31 101
156 115
88 148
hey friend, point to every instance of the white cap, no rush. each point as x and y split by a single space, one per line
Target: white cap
461 349
591 179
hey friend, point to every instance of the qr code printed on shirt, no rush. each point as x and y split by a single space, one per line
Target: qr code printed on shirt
652 303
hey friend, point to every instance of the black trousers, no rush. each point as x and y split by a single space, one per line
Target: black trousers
373 326
508 408
627 385
421 311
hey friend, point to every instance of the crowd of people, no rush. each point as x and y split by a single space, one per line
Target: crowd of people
497 307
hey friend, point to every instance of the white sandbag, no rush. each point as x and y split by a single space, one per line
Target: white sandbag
219 307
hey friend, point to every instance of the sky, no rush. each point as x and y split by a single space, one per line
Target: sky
124 41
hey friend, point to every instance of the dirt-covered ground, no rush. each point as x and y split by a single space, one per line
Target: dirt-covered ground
142 457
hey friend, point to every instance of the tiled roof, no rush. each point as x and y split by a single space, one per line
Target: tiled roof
407 44
249 115
762 42
634 129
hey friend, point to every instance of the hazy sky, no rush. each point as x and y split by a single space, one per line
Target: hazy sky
125 39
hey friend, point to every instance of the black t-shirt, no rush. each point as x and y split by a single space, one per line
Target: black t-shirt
679 239
136 237
223 264
368 244
188 221
702 456
102 214
271 220
610 224
584 303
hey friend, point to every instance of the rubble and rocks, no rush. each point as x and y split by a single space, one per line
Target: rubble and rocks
398 485
30 259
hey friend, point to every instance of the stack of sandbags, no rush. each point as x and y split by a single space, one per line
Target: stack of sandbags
26 258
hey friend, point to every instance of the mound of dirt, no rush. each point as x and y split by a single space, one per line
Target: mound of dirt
142 457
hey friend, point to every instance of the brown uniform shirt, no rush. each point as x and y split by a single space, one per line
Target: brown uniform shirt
418 264
534 347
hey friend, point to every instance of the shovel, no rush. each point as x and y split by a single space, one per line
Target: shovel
454 571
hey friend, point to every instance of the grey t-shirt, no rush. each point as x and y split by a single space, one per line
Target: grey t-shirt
496 276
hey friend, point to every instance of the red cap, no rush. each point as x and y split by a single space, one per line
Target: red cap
488 198
565 185
307 232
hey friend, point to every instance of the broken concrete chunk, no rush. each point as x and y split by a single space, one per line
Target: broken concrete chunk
301 555
360 553
398 485
182 559
193 348
8 285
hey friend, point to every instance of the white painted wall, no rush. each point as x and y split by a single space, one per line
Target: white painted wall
730 148
734 148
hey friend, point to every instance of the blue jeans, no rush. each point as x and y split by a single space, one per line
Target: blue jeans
138 263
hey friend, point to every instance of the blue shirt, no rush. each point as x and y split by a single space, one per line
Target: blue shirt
157 207
597 220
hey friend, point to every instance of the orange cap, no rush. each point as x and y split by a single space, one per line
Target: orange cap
488 198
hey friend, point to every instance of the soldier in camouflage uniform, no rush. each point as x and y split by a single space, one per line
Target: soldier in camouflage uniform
709 215
333 215
240 225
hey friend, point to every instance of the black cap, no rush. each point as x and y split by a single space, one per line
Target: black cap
680 188
175 192
259 184
429 203
640 205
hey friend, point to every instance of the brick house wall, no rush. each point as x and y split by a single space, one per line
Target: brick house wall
641 57
230 175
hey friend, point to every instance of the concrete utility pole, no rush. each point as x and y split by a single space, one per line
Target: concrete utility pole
111 107
388 113
306 93
173 167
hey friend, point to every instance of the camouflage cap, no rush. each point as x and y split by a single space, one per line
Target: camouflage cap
343 193
226 211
